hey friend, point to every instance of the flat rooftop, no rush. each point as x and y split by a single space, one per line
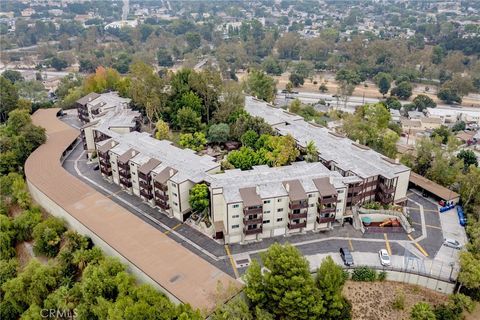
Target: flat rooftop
190 166
347 155
270 180
173 267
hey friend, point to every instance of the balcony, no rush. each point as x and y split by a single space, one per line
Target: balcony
104 162
327 200
325 219
248 220
106 171
161 196
301 215
160 186
299 225
326 210
385 198
145 185
146 194
123 166
126 183
252 210
124 173
298 205
144 177
354 189
162 205
386 189
252 231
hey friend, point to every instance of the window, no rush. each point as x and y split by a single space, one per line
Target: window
310 195
266 221
279 219
267 211
175 204
266 201
133 173
280 210
312 204
174 185
340 191
235 226
279 200
236 206
174 194
235 216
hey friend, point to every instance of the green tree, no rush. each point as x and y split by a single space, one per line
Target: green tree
246 122
383 81
58 63
286 288
219 133
47 236
162 130
244 158
188 120
422 102
236 309
194 141
7 238
8 98
199 197
422 311
393 103
330 279
459 126
193 39
443 132
469 158
8 270
348 76
323 88
296 79
231 104
26 222
281 150
164 58
469 275
13 76
469 190
271 66
449 95
260 85
403 90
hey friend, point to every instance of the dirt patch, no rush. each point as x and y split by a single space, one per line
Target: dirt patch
25 253
374 300
475 315
14 210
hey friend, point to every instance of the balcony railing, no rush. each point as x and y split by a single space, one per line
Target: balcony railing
144 177
296 225
161 196
146 194
106 171
355 188
252 210
298 205
386 189
252 231
257 220
385 198
145 185
162 204
327 200
160 186
301 215
124 173
326 210
325 220
125 183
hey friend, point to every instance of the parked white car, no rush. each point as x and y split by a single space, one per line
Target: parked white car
384 258
452 243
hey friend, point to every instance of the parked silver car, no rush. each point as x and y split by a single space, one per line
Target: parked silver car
452 243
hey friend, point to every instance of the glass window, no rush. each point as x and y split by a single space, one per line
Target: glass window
279 219
280 210
236 205
235 226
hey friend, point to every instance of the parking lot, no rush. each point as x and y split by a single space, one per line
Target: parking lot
421 250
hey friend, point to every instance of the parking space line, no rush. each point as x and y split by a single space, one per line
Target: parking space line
419 247
387 244
350 244
168 231
234 267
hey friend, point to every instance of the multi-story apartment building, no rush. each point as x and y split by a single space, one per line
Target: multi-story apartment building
381 178
155 170
258 203
266 202
102 114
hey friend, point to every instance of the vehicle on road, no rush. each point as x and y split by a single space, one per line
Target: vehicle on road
452 243
346 257
384 258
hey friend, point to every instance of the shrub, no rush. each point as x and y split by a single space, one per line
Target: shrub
47 236
25 223
382 276
364 274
